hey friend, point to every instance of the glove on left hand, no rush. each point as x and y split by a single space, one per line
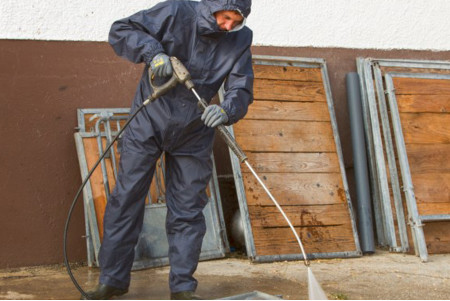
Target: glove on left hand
214 115
161 65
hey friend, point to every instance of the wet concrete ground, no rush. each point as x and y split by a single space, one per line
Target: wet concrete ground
380 276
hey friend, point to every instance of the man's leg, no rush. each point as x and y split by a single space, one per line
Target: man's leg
125 209
187 177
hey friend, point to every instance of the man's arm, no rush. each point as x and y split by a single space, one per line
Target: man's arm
137 37
239 88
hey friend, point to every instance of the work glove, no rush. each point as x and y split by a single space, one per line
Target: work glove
161 66
214 115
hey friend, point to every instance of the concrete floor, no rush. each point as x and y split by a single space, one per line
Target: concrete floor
380 276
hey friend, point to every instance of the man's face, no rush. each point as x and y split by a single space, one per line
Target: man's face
228 19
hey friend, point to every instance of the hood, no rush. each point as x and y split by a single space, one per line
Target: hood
207 8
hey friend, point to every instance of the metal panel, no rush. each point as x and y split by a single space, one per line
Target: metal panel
152 247
100 111
255 295
389 148
375 194
415 218
240 189
365 68
419 238
385 199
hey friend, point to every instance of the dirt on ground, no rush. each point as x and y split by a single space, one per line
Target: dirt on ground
381 276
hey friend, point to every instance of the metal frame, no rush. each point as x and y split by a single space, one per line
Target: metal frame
392 165
152 247
240 189
415 218
375 194
380 164
97 112
375 149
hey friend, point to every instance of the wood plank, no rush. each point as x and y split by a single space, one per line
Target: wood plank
96 181
423 103
289 90
433 208
294 162
284 136
421 86
287 73
295 189
437 237
309 215
432 187
425 128
281 241
280 110
158 193
426 158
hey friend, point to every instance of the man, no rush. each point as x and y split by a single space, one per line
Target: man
210 39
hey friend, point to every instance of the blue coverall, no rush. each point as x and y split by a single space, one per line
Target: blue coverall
188 31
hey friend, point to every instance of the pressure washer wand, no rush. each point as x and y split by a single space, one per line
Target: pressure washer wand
180 76
232 144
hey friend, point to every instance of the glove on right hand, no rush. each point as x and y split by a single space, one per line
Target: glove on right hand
161 65
214 115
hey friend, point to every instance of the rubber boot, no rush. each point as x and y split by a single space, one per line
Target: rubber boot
186 295
104 292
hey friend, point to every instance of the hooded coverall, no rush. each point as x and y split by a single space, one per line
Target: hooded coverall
188 31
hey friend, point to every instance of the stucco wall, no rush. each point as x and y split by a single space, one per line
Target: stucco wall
381 24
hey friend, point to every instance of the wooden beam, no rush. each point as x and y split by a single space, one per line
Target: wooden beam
437 237
295 111
423 103
294 162
295 189
421 86
279 241
300 216
287 73
429 158
425 128
432 188
288 90
285 136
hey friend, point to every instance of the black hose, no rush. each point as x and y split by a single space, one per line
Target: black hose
66 262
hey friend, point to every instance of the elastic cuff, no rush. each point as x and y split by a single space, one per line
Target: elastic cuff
148 56
229 115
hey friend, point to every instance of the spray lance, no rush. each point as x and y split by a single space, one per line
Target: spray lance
182 76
